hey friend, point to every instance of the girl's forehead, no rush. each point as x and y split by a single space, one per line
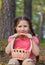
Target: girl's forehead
23 22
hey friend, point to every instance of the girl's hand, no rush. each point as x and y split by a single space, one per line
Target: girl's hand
19 34
15 35
29 36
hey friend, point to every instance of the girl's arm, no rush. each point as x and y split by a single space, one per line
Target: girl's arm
8 48
35 48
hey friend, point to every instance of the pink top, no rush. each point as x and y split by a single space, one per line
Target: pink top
23 43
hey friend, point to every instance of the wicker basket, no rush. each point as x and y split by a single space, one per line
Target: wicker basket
20 54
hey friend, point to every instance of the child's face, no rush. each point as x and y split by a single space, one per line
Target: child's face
22 27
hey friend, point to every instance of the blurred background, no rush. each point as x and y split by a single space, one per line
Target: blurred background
35 9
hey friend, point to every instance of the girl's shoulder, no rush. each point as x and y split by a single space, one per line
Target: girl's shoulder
10 38
36 40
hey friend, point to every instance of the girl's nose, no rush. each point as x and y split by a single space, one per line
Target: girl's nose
22 28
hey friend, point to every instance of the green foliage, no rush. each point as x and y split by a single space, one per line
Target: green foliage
19 7
38 6
42 42
0 4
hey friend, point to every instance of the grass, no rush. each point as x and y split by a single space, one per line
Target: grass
2 63
3 43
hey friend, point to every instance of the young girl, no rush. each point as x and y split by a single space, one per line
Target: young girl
23 45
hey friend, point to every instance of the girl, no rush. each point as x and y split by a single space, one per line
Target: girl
23 38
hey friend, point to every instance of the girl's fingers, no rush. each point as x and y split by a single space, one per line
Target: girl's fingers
18 34
15 35
29 35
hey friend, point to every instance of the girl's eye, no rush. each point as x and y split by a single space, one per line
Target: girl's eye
19 26
25 26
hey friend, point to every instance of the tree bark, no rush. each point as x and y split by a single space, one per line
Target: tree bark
28 8
8 10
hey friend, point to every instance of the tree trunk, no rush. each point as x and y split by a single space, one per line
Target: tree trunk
8 10
41 26
28 8
1 26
